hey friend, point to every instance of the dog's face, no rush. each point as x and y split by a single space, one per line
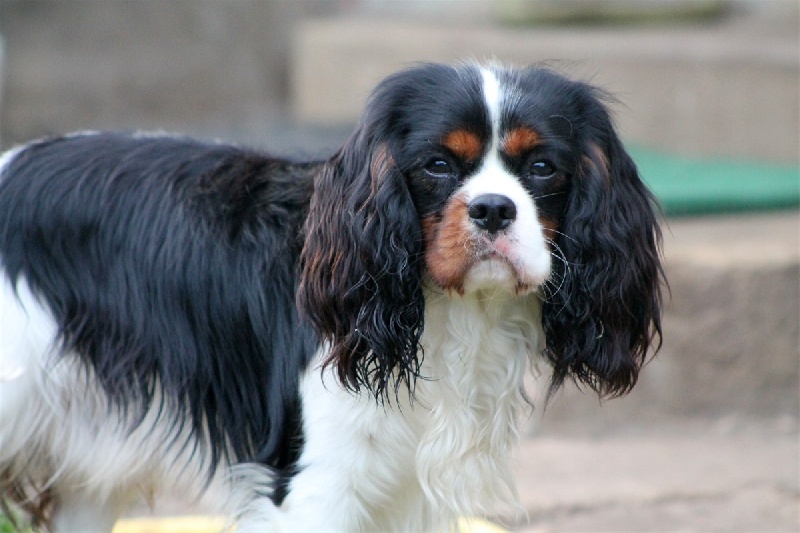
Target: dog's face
470 179
489 180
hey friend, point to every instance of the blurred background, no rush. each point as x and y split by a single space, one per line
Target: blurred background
708 441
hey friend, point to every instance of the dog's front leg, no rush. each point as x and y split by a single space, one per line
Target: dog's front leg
76 510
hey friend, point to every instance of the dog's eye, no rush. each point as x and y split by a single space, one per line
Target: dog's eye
439 168
542 169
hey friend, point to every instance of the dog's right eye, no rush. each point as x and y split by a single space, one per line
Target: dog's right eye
438 168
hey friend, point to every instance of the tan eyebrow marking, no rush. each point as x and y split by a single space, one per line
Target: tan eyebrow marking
519 141
464 144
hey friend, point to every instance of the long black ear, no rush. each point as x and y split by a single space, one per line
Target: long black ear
601 322
360 284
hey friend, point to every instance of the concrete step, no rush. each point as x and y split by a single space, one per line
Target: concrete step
723 89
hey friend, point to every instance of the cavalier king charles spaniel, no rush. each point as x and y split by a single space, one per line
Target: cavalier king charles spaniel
338 345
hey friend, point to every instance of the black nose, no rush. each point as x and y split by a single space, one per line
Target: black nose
492 212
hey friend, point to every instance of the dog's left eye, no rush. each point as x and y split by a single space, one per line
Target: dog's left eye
542 169
439 168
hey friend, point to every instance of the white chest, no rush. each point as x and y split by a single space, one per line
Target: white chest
417 464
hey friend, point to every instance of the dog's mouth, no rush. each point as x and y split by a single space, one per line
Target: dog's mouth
497 269
486 265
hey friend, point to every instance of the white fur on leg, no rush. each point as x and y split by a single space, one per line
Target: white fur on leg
356 469
78 511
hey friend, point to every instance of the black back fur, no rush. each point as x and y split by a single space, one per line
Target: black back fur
170 263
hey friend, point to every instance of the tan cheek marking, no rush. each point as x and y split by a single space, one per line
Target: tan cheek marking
519 141
448 253
464 144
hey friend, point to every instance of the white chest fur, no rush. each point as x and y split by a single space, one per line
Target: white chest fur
418 465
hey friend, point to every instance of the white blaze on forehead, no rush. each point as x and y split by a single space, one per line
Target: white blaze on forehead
491 95
492 176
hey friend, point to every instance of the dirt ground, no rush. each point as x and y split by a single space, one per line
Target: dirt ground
728 475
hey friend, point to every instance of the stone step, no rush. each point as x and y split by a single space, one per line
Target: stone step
724 89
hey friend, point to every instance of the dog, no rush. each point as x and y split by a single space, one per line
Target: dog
339 344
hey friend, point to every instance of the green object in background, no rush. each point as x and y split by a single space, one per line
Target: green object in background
6 526
687 186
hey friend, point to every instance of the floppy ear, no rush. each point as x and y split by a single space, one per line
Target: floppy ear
360 285
601 322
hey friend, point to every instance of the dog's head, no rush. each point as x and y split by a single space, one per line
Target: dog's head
474 178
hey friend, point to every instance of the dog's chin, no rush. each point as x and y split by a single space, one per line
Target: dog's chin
497 274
